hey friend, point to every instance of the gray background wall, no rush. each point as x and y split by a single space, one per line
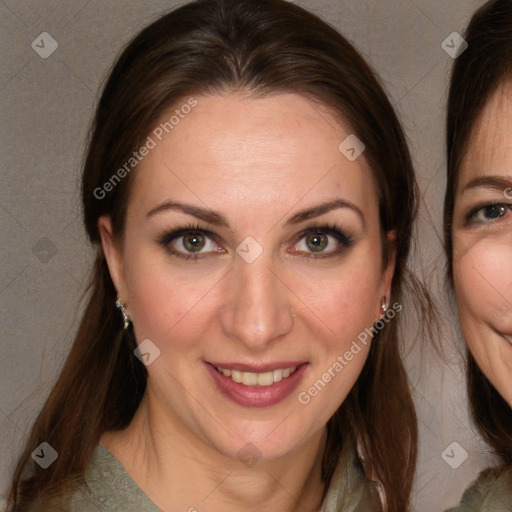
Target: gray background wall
47 105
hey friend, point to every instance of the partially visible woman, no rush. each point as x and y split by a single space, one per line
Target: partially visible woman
251 199
478 234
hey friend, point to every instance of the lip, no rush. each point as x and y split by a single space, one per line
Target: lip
508 337
257 368
256 396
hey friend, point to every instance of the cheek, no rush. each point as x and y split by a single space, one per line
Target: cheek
483 282
340 302
167 303
345 300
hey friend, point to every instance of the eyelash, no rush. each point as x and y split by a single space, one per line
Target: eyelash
337 232
470 217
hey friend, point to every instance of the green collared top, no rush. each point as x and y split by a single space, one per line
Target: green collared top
109 488
492 492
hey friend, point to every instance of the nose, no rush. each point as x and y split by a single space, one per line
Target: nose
258 307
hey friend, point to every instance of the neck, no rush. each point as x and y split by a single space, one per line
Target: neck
179 471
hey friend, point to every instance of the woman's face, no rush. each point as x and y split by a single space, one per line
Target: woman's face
218 270
482 242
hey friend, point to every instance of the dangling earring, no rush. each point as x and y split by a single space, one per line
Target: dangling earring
383 305
126 319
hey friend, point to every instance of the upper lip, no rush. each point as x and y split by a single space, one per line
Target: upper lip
257 367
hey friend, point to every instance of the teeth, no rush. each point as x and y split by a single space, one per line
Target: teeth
249 379
264 379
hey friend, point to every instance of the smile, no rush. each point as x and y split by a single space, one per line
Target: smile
245 386
263 379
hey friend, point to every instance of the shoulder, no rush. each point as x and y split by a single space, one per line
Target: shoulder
349 489
492 492
105 486
76 498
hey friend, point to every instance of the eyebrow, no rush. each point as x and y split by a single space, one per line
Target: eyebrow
218 219
320 209
498 183
201 213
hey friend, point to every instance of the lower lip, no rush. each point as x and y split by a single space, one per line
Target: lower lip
257 396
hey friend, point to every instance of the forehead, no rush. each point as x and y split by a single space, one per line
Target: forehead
489 148
232 147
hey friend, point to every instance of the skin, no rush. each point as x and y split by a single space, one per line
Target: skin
257 162
483 243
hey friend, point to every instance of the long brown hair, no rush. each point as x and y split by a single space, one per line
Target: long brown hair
209 47
476 75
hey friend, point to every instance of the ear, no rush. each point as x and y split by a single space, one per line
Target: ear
387 273
113 255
